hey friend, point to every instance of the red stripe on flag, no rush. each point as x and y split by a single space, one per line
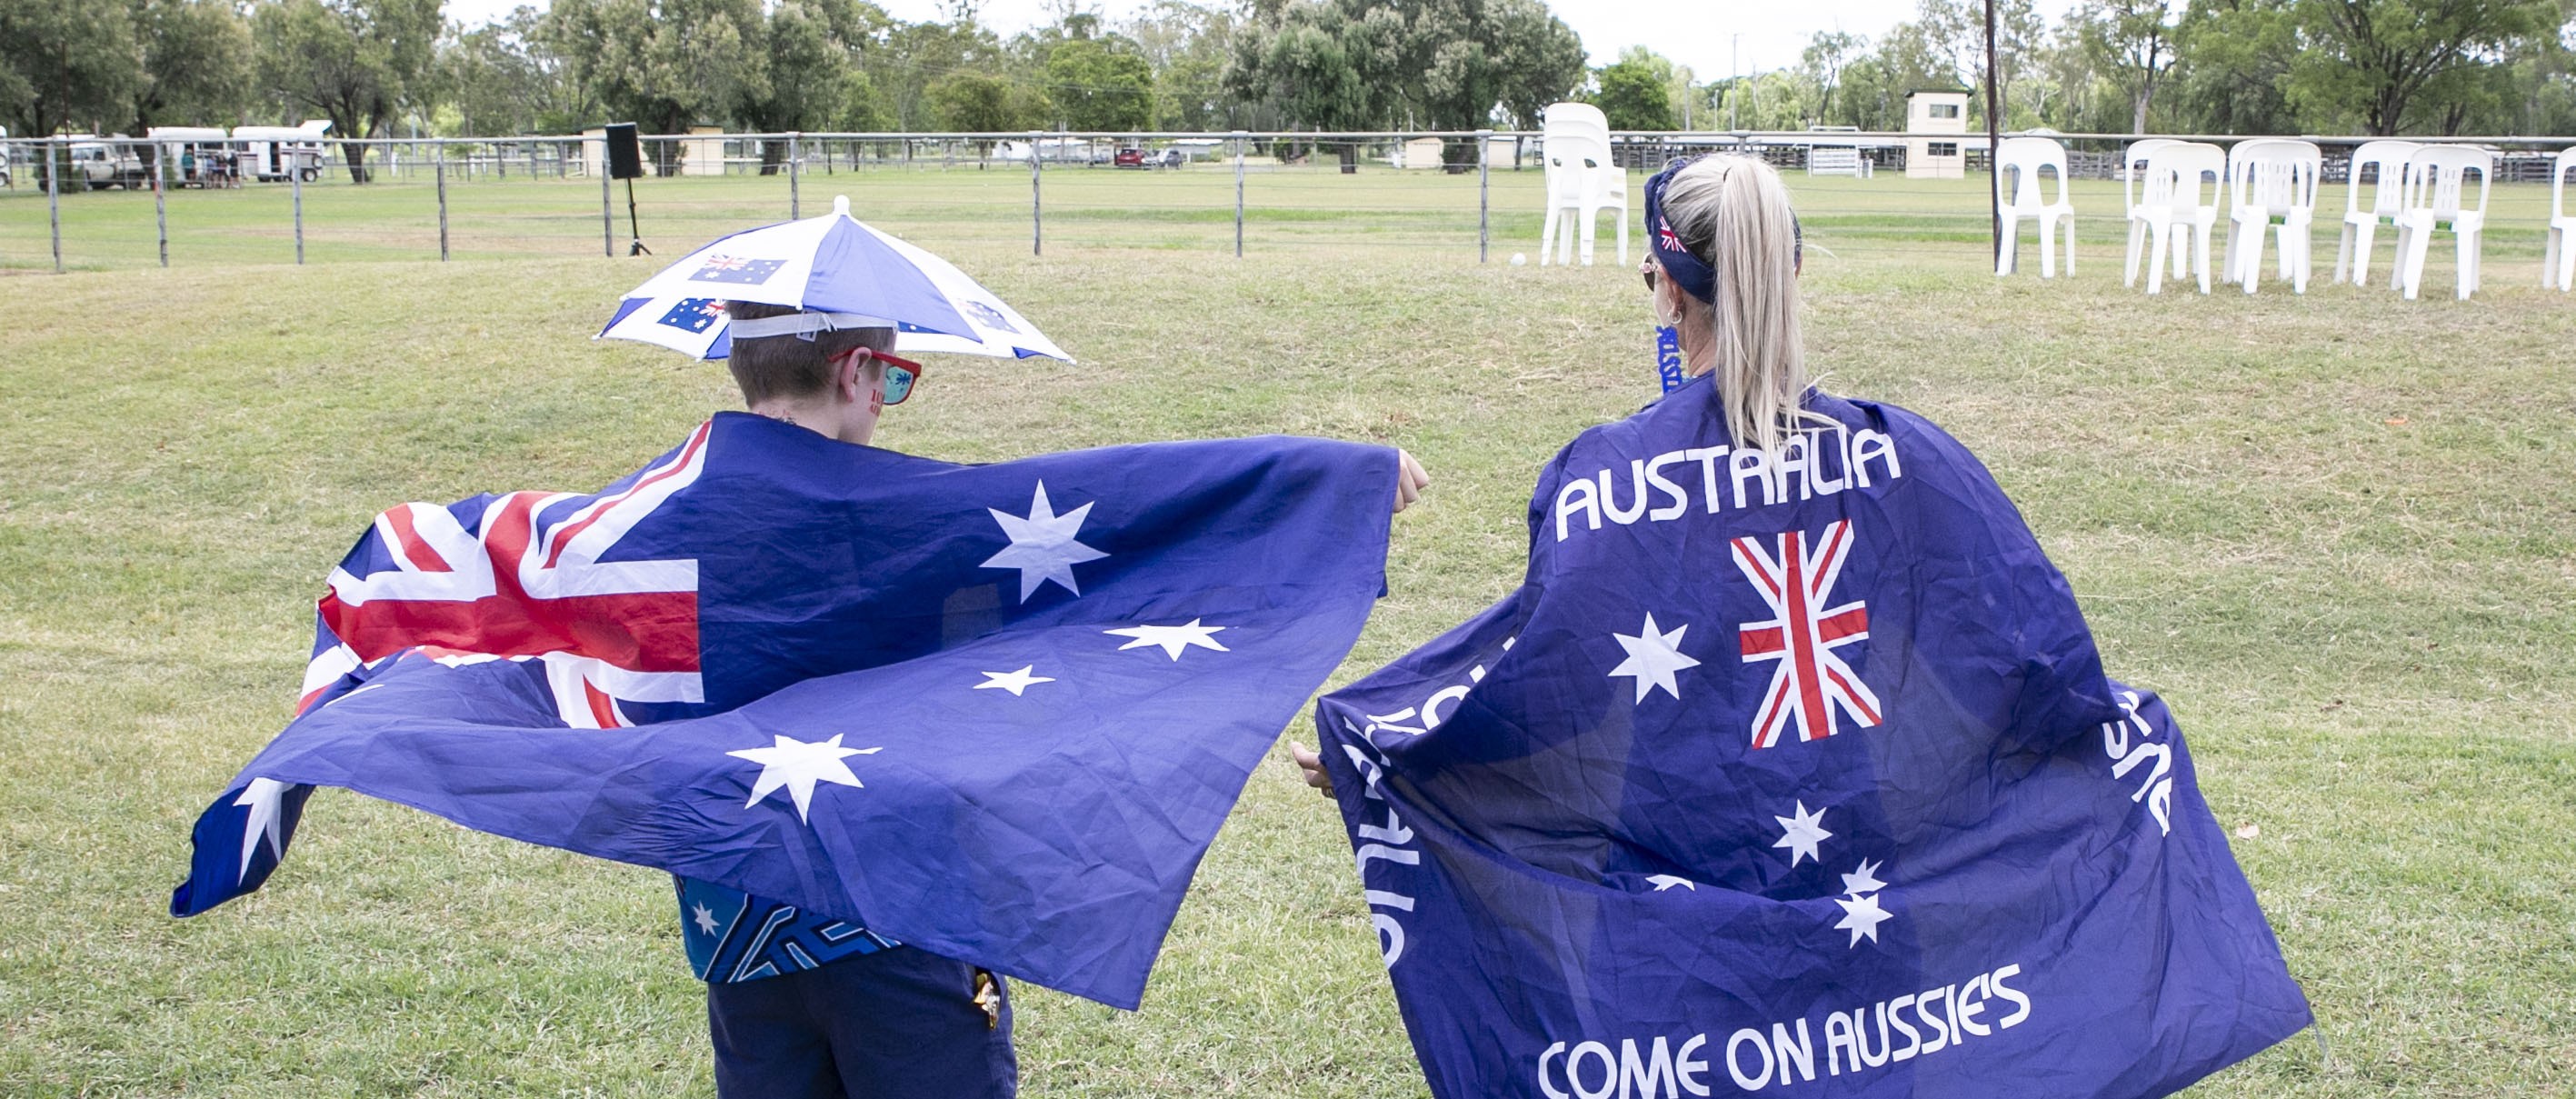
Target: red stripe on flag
565 536
642 631
414 549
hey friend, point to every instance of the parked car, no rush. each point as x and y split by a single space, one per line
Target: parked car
1172 158
1129 157
104 164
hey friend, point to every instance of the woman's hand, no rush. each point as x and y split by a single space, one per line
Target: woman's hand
1313 767
1410 480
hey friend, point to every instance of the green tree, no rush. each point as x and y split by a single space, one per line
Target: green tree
196 65
986 103
2231 60
2128 42
356 62
2384 63
1101 84
813 47
916 56
1303 66
1540 59
66 64
1827 54
1187 46
666 64
1636 95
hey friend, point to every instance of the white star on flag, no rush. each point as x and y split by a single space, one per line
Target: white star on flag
1172 638
1802 832
706 919
798 765
1042 545
1863 881
1014 682
264 797
1861 917
1653 657
1663 882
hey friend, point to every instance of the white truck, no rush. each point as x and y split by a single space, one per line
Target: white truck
274 154
107 162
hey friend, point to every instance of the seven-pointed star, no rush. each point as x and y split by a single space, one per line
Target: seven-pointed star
1014 682
798 765
263 796
1861 917
1865 880
1653 657
1172 638
1802 832
706 920
1042 545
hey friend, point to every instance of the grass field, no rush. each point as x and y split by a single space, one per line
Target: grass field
1082 209
2335 531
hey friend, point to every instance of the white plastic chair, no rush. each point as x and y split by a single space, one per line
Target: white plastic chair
2133 173
2436 183
2267 179
2559 265
2387 162
2174 196
2026 158
1582 181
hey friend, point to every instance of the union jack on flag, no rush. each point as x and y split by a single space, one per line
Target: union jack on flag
1811 681
694 315
519 576
736 269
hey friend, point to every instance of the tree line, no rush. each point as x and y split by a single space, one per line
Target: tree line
379 68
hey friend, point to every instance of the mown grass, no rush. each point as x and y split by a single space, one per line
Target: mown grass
2334 530
1191 209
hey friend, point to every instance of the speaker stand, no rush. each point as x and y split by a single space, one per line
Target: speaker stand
636 247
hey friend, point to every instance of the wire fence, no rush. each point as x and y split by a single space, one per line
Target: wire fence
206 197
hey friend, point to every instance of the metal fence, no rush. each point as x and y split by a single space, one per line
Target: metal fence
244 200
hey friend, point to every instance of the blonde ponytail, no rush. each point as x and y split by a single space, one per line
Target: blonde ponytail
1734 211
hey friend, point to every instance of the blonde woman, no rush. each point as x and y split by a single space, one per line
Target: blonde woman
1792 764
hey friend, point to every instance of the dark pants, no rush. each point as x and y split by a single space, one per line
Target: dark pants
893 1024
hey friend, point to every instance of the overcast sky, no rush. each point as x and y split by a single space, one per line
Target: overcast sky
1706 35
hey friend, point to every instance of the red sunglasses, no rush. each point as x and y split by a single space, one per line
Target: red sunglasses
900 374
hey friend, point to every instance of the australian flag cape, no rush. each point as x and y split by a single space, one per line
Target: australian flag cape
1797 772
996 712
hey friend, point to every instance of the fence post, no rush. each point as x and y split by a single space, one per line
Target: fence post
795 202
438 167
1238 193
1484 193
54 197
296 178
607 214
1037 221
161 200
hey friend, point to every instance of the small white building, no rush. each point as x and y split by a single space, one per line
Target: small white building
1936 124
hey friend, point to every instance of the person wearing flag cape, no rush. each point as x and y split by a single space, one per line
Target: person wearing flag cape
898 727
1792 767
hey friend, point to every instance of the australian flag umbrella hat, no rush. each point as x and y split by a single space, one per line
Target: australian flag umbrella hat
842 274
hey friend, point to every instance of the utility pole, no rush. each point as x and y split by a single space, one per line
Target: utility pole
1734 74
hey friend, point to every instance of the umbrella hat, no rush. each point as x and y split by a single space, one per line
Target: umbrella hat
837 266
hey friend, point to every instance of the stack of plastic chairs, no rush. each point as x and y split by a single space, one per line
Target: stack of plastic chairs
2025 158
2436 186
2387 162
2178 176
2268 179
2133 174
2559 265
1582 181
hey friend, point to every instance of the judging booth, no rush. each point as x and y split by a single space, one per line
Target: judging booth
1936 127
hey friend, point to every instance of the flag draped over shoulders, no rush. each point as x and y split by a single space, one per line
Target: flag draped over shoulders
1792 771
997 712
